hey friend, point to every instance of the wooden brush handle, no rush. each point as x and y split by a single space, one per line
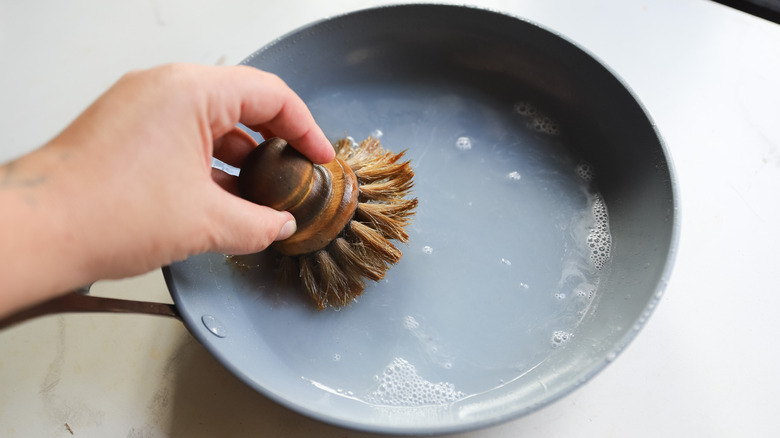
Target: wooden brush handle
322 198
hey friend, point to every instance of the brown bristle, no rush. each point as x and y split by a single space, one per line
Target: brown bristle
370 260
335 275
375 244
310 280
380 166
332 280
388 219
395 186
356 264
351 265
289 269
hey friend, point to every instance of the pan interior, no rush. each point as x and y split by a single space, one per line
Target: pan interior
542 233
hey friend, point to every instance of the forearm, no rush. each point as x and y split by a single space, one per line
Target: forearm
128 186
40 252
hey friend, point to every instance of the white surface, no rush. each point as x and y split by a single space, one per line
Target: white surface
705 363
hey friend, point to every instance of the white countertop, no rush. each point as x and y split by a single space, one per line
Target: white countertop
704 365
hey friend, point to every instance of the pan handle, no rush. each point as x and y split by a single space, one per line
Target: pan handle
80 301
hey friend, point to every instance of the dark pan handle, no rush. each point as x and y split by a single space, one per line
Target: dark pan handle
80 301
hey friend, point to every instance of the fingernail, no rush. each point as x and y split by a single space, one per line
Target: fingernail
288 229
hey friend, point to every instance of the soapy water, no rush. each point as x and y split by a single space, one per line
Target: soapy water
514 175
463 143
352 143
600 238
585 171
410 323
401 385
559 338
520 239
537 119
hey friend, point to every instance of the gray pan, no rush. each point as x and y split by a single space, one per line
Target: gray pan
544 237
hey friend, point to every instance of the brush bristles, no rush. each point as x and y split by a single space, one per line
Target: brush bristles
289 269
374 244
325 280
355 263
335 275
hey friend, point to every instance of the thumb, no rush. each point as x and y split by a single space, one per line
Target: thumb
243 227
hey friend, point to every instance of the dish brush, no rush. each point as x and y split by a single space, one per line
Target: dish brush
347 212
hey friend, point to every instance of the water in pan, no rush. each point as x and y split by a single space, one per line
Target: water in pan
502 263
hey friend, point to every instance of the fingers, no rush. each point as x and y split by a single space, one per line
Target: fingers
266 104
241 227
234 146
226 181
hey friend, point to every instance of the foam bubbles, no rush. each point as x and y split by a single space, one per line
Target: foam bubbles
600 239
427 249
514 176
536 119
559 338
410 323
525 109
401 385
377 133
585 171
463 143
546 125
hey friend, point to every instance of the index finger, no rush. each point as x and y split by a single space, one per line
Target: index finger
263 102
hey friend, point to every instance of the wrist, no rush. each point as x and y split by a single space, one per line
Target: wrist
40 250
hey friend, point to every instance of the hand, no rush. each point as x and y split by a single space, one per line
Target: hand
128 186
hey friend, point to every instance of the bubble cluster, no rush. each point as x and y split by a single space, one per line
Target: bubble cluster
241 264
585 171
559 338
463 143
586 294
377 133
546 125
600 239
400 385
525 109
536 119
427 249
506 262
352 142
560 296
410 323
514 176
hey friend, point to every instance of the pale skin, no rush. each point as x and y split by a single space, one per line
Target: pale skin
128 187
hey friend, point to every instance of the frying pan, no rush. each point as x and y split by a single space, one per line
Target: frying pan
544 237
